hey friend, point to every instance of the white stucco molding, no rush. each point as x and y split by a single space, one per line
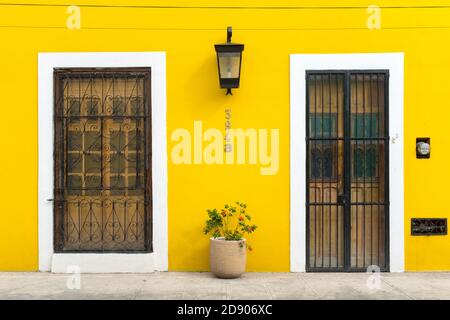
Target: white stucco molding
92 262
299 63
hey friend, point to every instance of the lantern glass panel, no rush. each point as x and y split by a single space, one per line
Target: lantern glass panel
229 63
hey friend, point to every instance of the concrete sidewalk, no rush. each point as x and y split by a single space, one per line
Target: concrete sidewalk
184 285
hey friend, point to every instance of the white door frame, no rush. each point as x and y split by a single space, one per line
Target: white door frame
299 63
108 262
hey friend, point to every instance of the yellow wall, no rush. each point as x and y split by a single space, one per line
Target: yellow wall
187 36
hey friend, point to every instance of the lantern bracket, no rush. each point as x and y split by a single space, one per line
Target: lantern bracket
229 34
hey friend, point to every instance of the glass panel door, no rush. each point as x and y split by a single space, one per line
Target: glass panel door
325 170
368 170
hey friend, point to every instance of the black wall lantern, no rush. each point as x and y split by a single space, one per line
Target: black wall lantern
229 58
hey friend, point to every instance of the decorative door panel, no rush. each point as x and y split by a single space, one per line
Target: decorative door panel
102 160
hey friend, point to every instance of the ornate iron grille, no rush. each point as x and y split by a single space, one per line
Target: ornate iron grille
347 170
102 160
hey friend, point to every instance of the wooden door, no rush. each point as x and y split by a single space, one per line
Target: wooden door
102 160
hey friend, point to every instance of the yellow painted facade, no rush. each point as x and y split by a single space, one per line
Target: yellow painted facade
187 35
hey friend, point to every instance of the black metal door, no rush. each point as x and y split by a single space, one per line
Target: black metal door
347 170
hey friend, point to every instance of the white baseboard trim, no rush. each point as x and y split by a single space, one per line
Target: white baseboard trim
103 263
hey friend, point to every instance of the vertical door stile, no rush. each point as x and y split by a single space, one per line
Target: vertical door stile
330 147
308 170
386 168
347 170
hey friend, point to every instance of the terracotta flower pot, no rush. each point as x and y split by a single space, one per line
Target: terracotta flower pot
227 258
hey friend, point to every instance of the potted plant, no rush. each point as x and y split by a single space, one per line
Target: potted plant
228 247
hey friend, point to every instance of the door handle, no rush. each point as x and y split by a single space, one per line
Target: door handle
341 199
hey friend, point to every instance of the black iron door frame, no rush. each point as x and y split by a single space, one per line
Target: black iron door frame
345 199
